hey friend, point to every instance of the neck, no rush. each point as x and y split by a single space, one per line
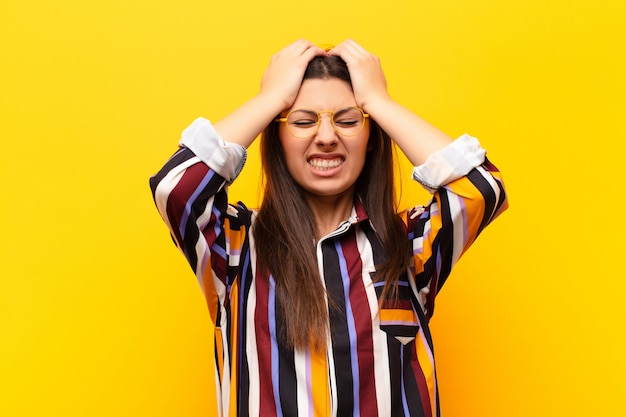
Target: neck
330 212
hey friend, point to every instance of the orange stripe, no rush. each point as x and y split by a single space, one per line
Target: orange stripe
235 237
471 198
220 353
427 366
397 315
210 294
319 384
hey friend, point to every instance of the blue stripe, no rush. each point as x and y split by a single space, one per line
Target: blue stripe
271 311
217 229
187 212
354 362
399 283
405 405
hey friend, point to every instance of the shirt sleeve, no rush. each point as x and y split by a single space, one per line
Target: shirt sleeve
226 159
450 163
190 192
468 194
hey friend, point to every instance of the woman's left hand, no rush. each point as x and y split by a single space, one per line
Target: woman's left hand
368 80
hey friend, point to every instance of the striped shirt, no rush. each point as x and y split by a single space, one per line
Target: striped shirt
378 360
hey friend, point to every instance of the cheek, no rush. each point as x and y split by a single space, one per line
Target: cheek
292 152
286 144
367 144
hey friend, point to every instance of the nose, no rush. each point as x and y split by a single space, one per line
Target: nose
326 135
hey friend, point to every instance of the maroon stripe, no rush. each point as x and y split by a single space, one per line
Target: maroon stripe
178 197
219 264
420 379
267 406
363 325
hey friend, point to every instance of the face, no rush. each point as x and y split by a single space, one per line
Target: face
327 164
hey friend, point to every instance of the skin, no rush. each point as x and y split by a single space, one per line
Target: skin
329 191
281 87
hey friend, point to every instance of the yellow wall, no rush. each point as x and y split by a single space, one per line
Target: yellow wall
99 314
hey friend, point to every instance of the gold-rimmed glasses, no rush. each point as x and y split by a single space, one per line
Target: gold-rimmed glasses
304 123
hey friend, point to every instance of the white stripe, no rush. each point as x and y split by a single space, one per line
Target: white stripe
299 359
225 375
458 223
254 399
167 184
218 391
494 184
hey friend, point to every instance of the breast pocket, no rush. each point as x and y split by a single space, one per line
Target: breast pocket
398 317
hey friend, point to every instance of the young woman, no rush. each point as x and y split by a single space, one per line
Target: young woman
321 298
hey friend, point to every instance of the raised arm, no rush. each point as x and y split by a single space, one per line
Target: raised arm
190 191
417 138
279 88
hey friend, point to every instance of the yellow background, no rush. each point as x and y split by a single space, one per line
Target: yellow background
100 315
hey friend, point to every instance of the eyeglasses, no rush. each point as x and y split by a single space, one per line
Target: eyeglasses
304 123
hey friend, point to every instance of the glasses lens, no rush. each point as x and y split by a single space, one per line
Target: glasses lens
302 123
348 121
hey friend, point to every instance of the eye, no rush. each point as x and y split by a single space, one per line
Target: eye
304 123
348 117
346 122
302 119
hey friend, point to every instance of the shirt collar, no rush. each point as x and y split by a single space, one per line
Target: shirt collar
359 213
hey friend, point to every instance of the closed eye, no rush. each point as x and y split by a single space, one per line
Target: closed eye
346 122
304 123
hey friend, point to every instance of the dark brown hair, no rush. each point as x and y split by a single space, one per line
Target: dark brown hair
285 228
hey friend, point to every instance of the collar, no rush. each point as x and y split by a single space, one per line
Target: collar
359 214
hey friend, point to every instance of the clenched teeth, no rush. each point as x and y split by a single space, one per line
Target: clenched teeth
318 163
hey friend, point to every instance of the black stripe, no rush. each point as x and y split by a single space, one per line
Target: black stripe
338 329
192 233
488 193
244 275
411 389
395 375
502 193
444 242
287 383
417 230
178 158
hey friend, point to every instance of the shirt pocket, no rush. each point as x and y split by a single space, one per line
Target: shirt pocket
399 319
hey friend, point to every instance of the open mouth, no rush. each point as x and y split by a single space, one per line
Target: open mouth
325 164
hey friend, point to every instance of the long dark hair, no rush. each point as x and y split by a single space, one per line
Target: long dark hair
285 227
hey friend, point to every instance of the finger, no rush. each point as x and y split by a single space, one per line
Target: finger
312 52
347 52
300 47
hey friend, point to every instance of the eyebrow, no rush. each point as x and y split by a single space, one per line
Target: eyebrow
337 110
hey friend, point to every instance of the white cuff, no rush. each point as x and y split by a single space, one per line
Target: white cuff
225 158
450 163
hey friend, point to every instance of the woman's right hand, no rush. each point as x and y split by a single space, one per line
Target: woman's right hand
279 88
283 76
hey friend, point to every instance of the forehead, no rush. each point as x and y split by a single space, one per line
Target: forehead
328 94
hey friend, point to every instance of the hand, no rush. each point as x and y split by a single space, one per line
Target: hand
368 80
283 76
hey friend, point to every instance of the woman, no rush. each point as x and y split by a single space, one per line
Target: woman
321 298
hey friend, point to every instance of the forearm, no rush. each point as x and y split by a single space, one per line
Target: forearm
244 124
417 138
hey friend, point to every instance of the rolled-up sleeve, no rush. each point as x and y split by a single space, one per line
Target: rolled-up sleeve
225 158
450 163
